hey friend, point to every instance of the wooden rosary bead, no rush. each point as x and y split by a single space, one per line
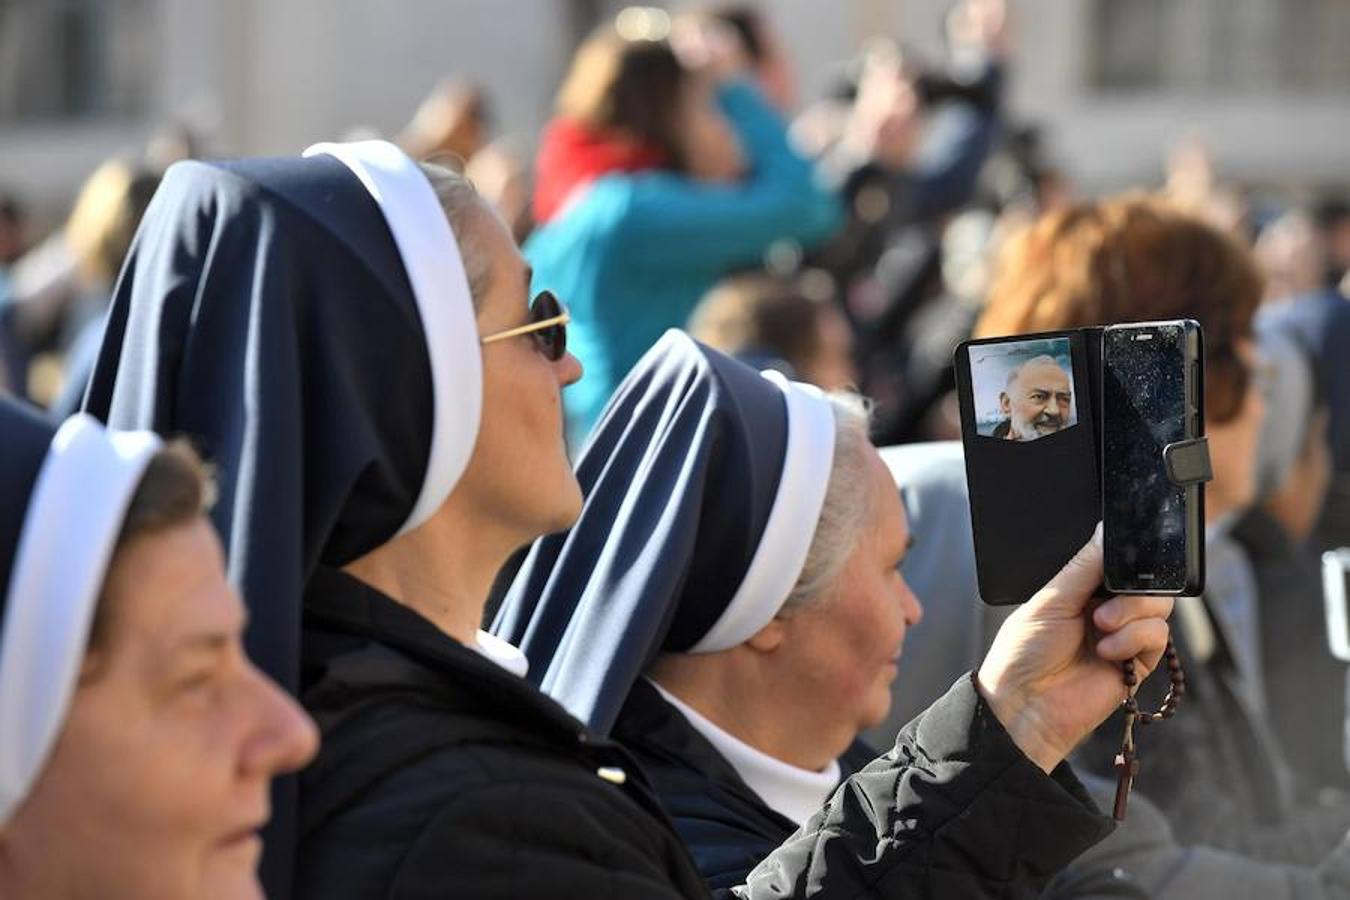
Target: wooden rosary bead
1176 690
1126 762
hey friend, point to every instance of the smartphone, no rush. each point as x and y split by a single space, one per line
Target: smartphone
1336 593
1152 396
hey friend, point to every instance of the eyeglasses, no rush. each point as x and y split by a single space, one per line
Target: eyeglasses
547 325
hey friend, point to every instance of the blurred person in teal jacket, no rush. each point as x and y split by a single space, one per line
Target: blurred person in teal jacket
664 170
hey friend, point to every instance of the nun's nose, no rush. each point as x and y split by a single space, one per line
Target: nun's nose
569 370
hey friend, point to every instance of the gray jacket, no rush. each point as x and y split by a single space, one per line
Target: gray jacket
1142 858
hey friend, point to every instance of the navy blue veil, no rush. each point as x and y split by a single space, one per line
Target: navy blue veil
277 312
703 480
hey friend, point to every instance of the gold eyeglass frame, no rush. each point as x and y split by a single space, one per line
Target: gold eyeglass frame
563 319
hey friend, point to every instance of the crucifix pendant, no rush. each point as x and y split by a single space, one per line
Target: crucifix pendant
1128 767
1126 764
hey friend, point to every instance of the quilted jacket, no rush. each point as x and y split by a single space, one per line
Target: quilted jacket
442 775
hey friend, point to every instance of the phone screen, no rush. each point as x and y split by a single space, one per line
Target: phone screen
1143 410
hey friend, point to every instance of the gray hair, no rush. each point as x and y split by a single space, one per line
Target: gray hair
847 506
462 205
1041 360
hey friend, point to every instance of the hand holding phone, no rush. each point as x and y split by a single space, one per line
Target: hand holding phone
1046 691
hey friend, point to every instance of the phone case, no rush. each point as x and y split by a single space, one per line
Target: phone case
1034 503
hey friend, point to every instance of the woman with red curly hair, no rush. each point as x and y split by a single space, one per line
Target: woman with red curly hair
1217 770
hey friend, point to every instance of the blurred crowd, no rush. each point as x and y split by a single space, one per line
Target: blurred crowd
851 241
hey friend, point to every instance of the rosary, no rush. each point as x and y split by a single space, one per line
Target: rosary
1126 763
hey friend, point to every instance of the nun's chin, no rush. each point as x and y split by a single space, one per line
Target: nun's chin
569 509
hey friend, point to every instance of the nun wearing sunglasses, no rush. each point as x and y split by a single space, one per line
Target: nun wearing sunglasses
350 337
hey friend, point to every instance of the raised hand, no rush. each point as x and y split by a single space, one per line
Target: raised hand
1053 673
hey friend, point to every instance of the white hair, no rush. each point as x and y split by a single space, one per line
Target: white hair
1043 359
462 205
848 502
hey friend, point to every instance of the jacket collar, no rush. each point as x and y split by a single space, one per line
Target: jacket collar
343 614
650 722
794 792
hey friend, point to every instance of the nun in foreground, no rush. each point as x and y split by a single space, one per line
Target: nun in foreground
136 739
350 333
728 607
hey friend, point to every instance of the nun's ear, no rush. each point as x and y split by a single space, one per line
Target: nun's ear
770 637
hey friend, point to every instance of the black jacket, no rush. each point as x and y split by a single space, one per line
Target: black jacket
442 775
726 826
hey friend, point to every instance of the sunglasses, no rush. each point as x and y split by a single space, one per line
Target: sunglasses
547 326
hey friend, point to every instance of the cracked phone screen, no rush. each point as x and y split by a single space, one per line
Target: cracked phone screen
1143 410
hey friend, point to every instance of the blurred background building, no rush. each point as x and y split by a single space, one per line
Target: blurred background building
1114 84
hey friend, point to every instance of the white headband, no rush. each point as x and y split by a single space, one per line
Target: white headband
778 560
72 523
441 289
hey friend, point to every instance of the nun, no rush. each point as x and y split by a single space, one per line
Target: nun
136 739
350 334
728 607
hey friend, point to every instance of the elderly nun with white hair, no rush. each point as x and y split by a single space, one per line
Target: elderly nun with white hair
728 607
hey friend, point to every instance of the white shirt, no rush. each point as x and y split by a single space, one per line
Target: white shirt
508 656
796 793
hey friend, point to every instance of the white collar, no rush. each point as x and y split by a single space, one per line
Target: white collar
795 793
506 655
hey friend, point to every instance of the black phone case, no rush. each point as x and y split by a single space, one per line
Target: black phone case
1034 504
